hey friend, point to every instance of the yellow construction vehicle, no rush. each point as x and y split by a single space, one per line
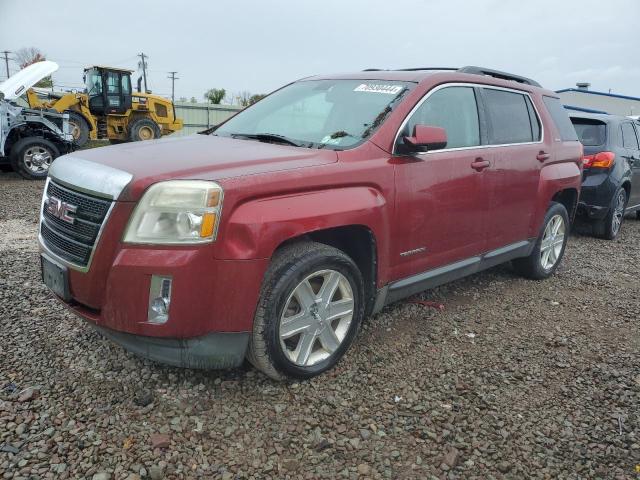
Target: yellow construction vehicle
109 109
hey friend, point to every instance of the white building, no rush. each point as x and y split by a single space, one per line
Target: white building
581 98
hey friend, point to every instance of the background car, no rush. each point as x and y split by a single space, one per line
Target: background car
611 176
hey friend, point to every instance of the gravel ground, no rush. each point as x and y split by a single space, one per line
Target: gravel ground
513 379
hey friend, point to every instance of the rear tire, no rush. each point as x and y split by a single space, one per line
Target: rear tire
144 129
79 128
301 281
609 227
31 157
550 245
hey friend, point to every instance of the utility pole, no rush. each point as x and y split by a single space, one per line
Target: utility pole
144 70
173 81
6 60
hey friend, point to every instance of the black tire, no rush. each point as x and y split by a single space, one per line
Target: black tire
79 129
22 159
143 129
532 266
638 215
609 227
289 267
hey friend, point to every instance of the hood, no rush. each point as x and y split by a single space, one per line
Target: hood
203 157
19 83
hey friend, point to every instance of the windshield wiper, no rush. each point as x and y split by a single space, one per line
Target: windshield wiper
267 137
378 120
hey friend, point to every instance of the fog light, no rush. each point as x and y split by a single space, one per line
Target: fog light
159 299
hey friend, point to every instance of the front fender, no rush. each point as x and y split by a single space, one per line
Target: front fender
256 228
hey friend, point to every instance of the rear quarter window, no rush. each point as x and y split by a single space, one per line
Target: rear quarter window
592 133
560 119
629 139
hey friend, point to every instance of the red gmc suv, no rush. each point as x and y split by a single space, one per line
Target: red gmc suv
272 235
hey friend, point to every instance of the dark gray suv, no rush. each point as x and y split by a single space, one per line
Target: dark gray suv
611 177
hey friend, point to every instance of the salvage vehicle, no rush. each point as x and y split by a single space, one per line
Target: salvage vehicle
611 177
30 139
274 234
110 109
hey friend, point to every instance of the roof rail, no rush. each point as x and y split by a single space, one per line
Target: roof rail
470 69
417 69
498 74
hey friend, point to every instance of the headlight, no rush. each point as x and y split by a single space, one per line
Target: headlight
176 212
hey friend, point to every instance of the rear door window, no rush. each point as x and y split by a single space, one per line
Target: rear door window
509 117
629 139
560 119
592 133
454 109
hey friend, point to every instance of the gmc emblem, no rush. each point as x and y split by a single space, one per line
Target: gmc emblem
61 210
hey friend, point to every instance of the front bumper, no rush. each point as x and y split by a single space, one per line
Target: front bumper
212 351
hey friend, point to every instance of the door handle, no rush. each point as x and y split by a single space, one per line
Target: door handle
542 156
479 164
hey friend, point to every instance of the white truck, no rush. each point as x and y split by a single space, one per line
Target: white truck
30 139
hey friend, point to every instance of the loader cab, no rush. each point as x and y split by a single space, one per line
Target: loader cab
109 90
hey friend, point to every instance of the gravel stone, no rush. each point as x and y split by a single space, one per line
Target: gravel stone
543 390
159 440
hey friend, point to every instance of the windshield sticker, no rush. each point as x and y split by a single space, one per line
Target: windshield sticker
378 88
330 140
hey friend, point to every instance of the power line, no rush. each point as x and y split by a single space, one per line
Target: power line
173 81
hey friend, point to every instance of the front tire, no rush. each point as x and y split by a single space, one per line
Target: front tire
79 129
550 245
31 157
310 309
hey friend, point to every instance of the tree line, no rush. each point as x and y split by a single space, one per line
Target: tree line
216 96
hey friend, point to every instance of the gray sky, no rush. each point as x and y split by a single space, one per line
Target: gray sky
260 45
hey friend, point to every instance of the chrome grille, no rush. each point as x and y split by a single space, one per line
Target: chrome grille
73 242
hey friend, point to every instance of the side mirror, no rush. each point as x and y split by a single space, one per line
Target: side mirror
426 138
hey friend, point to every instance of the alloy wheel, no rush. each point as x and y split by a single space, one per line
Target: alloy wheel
37 159
618 212
552 242
316 317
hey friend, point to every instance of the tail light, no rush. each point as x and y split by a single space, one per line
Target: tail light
599 160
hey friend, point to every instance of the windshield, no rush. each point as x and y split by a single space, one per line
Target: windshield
93 82
335 114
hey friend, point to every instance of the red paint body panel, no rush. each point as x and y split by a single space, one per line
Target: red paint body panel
273 193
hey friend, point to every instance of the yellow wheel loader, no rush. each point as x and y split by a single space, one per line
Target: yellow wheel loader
110 109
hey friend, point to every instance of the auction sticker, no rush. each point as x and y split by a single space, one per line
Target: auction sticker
378 88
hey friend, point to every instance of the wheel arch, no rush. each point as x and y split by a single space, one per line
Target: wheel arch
569 198
359 243
353 219
626 184
559 182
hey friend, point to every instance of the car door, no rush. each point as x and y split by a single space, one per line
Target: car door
632 156
440 204
517 154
